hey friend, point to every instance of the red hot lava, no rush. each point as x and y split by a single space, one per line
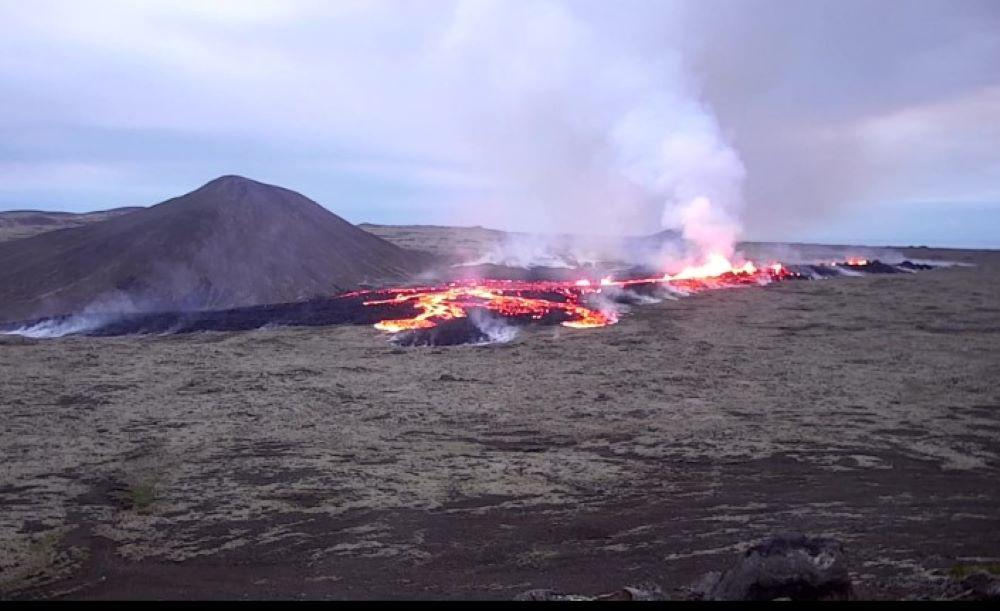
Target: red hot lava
571 303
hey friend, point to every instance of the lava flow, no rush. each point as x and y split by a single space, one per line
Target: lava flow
571 304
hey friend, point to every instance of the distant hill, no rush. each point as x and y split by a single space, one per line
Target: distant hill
15 224
232 242
460 243
465 244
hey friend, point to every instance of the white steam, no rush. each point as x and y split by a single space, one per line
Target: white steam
60 327
583 132
496 329
523 250
98 313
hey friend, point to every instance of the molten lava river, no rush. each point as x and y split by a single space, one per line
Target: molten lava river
576 304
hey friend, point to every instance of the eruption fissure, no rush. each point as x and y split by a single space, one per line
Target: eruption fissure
471 311
571 303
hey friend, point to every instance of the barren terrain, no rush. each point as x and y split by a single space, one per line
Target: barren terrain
16 224
327 463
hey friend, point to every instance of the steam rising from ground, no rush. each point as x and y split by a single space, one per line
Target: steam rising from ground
59 327
582 133
496 328
100 312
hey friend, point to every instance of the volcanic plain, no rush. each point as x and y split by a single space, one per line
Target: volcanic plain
329 463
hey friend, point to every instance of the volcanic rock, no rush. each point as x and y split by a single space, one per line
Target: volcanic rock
795 567
448 333
910 265
982 586
644 592
232 242
875 267
543 595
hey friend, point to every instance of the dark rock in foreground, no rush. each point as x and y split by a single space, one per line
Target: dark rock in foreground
795 567
981 586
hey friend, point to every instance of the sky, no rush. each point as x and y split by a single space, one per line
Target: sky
845 121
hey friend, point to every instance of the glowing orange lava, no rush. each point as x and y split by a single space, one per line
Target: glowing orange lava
852 262
506 298
571 303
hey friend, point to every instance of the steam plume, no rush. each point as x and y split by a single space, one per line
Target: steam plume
584 133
